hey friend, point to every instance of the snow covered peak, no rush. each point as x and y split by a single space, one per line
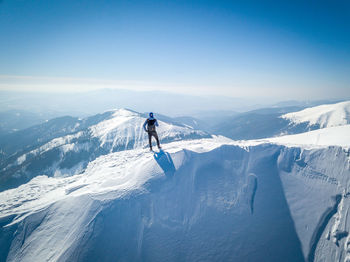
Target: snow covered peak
125 128
124 112
323 116
118 124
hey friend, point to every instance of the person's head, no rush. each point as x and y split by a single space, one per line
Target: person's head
151 114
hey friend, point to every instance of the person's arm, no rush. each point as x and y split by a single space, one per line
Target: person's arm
156 122
144 125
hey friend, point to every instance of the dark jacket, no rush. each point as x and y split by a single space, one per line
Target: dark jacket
150 124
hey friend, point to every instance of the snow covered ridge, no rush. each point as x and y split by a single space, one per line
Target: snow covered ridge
198 200
332 136
111 131
322 116
271 122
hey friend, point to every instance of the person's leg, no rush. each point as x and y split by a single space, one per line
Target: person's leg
156 137
150 140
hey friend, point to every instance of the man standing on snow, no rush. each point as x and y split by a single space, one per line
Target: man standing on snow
150 127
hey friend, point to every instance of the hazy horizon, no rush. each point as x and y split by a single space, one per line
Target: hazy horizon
85 103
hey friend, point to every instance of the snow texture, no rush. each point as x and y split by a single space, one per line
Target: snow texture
200 200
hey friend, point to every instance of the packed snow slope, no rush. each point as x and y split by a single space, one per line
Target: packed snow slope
79 142
322 116
332 136
199 200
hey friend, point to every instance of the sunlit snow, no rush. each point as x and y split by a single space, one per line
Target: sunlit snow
323 115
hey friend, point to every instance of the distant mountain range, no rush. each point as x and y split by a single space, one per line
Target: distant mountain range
271 122
64 146
14 120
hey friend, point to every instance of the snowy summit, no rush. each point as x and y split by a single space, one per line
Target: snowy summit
323 115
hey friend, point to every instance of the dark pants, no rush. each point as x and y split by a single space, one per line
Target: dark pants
150 134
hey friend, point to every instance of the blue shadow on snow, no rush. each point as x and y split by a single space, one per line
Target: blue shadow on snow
165 161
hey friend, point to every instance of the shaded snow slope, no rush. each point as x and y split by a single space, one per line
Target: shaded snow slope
200 200
99 135
323 116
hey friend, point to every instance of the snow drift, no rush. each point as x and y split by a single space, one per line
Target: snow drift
201 200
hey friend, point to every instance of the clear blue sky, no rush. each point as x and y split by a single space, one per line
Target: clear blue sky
285 49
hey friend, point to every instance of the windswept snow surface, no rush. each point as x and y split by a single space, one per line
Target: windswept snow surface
323 116
199 200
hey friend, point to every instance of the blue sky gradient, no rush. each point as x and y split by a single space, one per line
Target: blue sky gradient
284 49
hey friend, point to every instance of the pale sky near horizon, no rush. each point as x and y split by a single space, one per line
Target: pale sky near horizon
280 49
